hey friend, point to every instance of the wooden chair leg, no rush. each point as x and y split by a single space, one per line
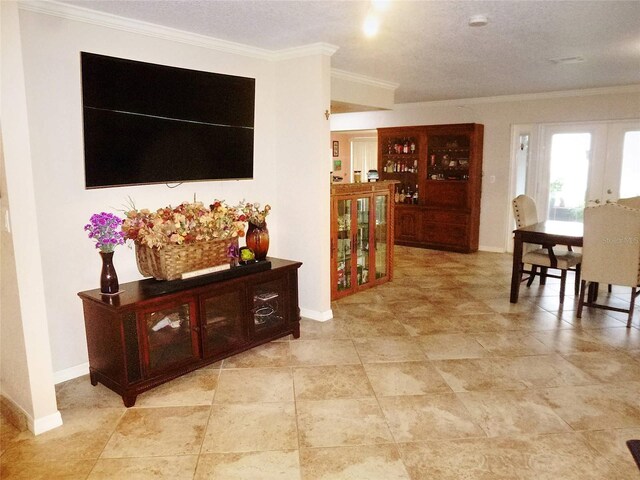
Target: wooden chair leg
609 288
631 306
543 275
583 287
532 275
563 282
577 281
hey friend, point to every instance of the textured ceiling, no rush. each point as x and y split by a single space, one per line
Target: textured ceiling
426 46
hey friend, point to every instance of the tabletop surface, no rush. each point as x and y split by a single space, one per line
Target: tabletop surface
555 227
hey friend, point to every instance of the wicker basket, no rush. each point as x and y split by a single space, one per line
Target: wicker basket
171 261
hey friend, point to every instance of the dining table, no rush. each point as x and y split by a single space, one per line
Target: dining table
546 233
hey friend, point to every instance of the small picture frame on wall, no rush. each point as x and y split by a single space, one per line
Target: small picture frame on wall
336 148
337 165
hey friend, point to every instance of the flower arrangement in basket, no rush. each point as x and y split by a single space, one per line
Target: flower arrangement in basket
174 240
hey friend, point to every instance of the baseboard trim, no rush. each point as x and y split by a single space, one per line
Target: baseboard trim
316 315
71 373
44 424
483 248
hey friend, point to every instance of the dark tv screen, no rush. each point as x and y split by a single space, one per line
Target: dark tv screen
147 123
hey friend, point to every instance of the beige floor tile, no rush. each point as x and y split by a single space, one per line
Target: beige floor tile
71 469
592 318
405 378
543 457
542 371
254 385
274 354
512 343
323 352
83 435
327 423
512 413
571 340
271 465
479 374
332 381
10 435
534 321
447 346
423 417
429 323
620 337
251 427
375 327
165 431
360 462
595 407
330 330
612 445
145 468
388 349
79 393
195 388
503 305
608 366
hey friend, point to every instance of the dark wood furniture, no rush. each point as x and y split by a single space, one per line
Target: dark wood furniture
549 232
443 163
143 337
361 236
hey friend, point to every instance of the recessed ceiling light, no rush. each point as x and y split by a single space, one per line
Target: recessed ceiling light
371 25
478 21
565 60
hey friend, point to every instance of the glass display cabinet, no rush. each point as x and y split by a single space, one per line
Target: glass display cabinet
361 219
437 200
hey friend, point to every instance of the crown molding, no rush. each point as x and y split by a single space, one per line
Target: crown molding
525 97
357 78
304 51
102 19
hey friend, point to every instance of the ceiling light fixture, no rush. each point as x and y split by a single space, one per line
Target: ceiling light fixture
380 5
371 25
478 21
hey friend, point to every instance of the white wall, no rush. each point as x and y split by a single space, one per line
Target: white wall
498 115
26 376
303 176
51 49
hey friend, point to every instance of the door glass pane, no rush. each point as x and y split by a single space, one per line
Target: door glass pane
268 305
569 172
362 241
169 336
630 178
344 244
222 322
382 203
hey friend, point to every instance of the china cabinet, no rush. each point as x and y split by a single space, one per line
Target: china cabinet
154 331
361 236
439 173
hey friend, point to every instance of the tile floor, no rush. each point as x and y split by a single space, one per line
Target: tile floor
433 376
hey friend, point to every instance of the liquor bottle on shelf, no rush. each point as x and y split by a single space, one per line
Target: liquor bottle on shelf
415 165
402 195
415 196
413 146
405 147
409 197
396 196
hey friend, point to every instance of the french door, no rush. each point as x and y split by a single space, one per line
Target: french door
587 163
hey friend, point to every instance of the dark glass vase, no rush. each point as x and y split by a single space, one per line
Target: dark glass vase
258 240
108 277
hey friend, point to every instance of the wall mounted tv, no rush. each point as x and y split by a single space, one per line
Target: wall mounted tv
147 123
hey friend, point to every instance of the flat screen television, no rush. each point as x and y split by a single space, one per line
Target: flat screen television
147 123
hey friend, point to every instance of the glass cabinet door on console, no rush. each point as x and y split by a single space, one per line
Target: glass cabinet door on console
268 307
169 336
353 255
222 317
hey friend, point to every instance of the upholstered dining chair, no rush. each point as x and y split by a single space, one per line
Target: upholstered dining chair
633 202
611 253
525 214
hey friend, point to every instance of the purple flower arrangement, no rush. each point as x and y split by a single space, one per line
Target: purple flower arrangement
105 229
